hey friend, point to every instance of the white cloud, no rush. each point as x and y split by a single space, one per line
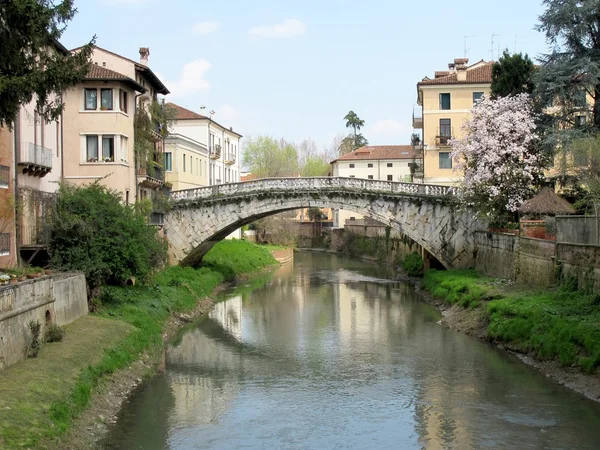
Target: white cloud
203 28
287 28
191 79
226 113
389 127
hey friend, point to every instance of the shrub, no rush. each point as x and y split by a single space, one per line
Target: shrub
54 333
93 232
413 265
34 343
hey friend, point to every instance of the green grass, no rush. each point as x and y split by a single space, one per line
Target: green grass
68 381
271 247
551 324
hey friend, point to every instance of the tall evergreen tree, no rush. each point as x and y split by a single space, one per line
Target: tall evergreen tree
512 75
33 64
356 123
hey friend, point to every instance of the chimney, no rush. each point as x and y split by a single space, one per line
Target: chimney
461 68
144 53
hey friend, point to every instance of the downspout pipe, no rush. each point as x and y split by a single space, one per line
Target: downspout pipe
135 172
16 151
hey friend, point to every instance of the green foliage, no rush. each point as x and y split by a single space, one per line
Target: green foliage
266 158
512 75
33 65
561 324
34 340
354 122
93 232
413 265
54 333
315 166
149 127
315 214
231 257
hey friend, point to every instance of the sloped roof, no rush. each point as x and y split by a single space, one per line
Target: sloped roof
478 73
370 152
547 203
98 73
182 113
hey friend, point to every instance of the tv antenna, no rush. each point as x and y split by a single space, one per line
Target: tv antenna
467 49
494 35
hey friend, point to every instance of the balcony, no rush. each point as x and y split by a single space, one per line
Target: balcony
443 141
34 160
230 158
417 118
152 178
215 152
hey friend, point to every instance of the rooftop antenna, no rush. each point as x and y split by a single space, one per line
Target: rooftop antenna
467 49
494 35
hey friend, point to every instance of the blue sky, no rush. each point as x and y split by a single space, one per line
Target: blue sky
293 69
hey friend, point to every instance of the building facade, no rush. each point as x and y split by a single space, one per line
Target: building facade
222 143
186 162
398 163
445 104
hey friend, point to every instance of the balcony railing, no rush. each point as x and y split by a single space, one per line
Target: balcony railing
215 152
4 176
417 118
34 159
230 158
152 179
443 141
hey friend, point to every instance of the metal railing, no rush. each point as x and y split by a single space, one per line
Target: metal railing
314 184
4 243
34 154
4 176
230 158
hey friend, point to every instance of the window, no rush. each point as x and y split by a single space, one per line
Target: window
580 121
184 162
445 160
370 177
123 100
108 148
4 174
191 164
390 178
91 146
445 131
351 176
351 166
476 97
124 148
4 244
580 98
106 99
444 101
91 99
370 165
390 164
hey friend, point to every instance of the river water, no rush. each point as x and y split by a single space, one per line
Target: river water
329 354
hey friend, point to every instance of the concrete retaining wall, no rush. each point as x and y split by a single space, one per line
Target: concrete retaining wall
58 299
497 254
536 261
580 262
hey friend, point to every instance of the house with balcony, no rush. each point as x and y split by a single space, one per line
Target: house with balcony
222 144
100 120
398 163
186 162
445 103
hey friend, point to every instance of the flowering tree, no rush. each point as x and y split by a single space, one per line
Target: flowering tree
498 155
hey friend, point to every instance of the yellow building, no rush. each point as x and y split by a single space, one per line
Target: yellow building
186 162
446 102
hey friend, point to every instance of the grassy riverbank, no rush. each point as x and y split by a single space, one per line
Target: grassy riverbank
40 398
550 324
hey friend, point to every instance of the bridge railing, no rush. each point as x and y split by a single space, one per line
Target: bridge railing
313 183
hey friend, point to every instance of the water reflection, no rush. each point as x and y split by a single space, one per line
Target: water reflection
329 354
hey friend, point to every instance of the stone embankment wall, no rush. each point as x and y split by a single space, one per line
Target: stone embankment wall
58 299
537 261
283 255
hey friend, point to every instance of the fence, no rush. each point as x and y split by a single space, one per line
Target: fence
578 230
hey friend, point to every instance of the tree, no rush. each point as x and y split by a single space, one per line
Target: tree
315 166
583 163
267 158
33 64
354 122
499 156
572 69
512 75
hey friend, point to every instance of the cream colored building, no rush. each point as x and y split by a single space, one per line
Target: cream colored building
223 144
186 162
399 163
446 102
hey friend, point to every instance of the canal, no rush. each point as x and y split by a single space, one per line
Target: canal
328 353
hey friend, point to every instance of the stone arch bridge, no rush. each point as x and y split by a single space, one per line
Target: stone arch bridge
203 216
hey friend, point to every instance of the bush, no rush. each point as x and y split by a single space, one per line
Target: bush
34 343
93 232
413 265
54 333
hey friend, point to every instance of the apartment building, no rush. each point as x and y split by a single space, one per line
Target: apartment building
445 103
100 116
221 143
8 244
186 162
399 163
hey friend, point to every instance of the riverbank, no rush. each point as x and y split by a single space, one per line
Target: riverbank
80 383
555 330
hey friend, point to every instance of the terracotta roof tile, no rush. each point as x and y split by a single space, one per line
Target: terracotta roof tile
96 72
183 113
478 73
371 152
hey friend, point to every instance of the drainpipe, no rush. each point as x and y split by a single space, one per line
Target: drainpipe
210 168
62 146
135 107
16 152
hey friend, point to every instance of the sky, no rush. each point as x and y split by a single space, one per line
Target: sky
292 69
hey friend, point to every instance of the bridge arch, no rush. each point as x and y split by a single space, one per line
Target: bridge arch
204 216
